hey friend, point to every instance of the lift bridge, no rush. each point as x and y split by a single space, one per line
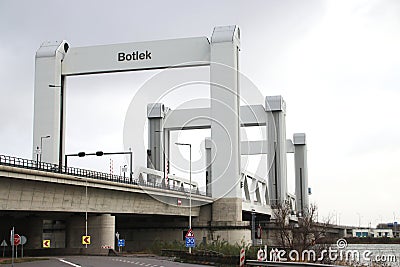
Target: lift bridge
258 193
231 191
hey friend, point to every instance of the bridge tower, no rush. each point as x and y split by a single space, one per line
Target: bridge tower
225 125
301 171
276 136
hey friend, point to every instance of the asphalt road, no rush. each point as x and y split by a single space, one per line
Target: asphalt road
94 261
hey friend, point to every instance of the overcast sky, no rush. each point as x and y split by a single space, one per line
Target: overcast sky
336 63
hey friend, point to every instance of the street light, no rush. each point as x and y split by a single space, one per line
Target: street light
190 184
86 209
81 154
359 219
41 145
99 154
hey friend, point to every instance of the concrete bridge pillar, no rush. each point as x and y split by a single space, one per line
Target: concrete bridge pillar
101 229
34 232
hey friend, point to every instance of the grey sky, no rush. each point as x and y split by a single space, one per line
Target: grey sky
336 63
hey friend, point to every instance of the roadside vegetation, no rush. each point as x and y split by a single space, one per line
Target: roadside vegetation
217 247
20 260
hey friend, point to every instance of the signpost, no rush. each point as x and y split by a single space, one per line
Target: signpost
23 242
86 240
117 236
242 257
4 245
121 243
190 241
17 241
12 246
46 243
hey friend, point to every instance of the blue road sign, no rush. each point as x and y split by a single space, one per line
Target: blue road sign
121 242
190 242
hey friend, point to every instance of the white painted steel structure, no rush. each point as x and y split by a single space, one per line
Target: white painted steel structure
57 60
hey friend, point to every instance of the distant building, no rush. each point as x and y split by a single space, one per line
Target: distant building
394 226
383 233
367 232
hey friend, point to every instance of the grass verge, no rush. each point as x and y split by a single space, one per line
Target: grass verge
20 260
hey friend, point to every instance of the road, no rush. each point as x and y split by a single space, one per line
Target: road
97 261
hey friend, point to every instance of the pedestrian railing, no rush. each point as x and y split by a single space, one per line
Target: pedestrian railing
54 168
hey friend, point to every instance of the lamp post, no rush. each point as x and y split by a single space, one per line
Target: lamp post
41 145
253 227
99 154
81 154
359 219
190 184
86 209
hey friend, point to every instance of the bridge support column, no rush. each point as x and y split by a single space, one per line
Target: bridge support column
49 113
34 232
225 124
276 131
101 229
158 138
301 172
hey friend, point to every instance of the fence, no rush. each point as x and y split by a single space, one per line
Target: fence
54 168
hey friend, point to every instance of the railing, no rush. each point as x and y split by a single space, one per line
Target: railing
54 168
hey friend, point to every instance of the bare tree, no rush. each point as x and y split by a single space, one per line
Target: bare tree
302 232
282 214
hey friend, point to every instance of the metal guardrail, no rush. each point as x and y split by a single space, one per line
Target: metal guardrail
54 168
286 263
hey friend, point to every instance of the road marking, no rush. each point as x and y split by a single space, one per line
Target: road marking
137 263
69 263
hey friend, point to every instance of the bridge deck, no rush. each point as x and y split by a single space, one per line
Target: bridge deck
53 170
